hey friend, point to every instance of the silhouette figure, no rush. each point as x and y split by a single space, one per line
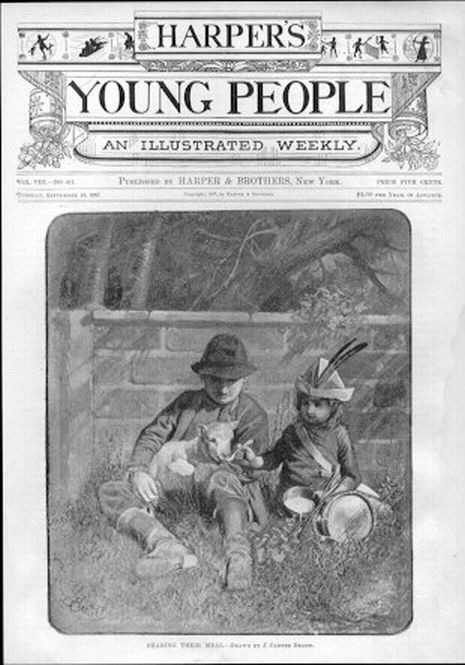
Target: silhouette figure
358 48
333 47
383 44
422 44
44 48
128 42
91 46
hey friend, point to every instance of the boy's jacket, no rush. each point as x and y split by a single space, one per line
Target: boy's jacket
180 420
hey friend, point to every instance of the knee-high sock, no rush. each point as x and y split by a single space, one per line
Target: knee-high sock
232 517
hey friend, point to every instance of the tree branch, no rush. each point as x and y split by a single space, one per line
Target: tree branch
202 295
379 238
232 274
357 258
215 236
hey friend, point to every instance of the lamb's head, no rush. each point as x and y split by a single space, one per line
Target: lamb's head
217 438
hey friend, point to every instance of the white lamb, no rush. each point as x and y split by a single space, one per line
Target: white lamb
211 445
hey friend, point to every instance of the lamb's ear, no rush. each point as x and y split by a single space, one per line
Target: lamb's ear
202 430
234 424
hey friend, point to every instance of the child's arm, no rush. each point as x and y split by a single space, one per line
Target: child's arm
153 437
149 443
350 474
251 460
253 425
271 459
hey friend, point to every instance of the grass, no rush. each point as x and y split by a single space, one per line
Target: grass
319 587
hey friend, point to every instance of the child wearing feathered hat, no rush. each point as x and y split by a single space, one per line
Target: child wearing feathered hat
315 450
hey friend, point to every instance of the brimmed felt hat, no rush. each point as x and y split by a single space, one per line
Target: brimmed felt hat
225 357
322 381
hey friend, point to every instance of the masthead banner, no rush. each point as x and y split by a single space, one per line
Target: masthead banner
284 89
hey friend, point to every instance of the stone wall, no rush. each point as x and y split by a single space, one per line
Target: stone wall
111 372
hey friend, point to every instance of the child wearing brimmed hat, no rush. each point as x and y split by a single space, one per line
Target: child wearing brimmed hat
234 491
315 450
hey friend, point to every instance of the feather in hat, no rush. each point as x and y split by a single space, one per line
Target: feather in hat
322 381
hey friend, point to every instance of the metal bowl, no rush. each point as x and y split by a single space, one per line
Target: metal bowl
299 500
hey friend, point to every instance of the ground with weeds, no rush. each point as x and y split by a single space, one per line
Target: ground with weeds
300 587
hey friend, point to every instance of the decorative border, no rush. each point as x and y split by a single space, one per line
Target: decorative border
230 65
96 47
412 57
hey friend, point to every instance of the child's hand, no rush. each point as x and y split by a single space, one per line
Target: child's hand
144 486
249 459
317 496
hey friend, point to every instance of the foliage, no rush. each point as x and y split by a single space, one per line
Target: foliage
413 152
49 151
326 314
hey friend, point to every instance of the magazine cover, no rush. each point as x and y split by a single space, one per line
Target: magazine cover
233 304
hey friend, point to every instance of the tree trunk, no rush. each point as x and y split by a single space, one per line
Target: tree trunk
137 298
100 266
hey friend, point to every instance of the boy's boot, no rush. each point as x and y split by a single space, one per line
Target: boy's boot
233 516
164 552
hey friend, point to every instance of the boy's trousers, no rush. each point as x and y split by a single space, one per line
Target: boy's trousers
228 496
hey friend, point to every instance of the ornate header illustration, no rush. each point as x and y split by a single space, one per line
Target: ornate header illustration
210 89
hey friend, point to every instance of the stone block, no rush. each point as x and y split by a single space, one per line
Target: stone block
389 453
141 336
167 396
208 318
112 369
366 364
120 315
70 395
388 337
79 401
269 398
272 318
161 370
191 339
379 458
78 451
393 385
364 451
126 403
115 438
258 339
265 339
370 476
274 370
271 370
391 393
379 424
362 397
